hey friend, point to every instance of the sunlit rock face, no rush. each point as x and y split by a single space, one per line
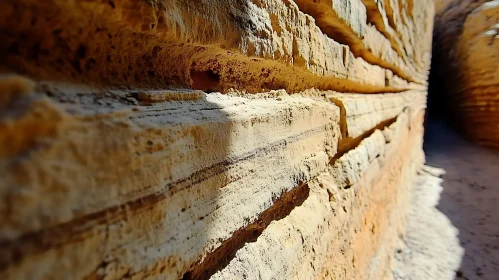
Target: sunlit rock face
465 42
209 139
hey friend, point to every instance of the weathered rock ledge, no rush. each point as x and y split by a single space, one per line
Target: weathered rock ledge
119 188
242 44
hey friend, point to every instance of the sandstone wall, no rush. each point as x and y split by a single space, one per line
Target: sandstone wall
232 139
466 66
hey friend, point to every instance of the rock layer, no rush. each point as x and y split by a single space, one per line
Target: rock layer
477 99
143 44
466 66
192 140
338 223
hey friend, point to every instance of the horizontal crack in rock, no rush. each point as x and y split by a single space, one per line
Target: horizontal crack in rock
348 144
223 255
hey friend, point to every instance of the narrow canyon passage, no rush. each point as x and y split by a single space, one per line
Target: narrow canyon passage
453 225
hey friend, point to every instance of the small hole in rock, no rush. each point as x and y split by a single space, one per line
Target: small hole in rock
81 52
207 81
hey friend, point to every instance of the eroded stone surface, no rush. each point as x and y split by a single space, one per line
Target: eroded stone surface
476 98
142 159
467 65
343 227
132 164
363 113
215 163
248 45
346 22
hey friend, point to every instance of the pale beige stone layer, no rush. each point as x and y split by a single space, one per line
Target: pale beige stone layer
189 173
338 232
365 112
346 22
408 27
176 169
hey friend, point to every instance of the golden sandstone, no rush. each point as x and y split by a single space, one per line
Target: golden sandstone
234 139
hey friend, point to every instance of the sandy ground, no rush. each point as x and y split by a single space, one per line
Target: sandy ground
453 224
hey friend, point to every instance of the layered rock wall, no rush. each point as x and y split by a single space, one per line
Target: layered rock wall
208 139
466 65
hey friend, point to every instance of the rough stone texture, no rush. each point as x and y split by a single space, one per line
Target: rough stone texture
140 180
466 64
363 113
164 40
346 22
339 223
407 25
131 148
185 162
476 98
150 137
